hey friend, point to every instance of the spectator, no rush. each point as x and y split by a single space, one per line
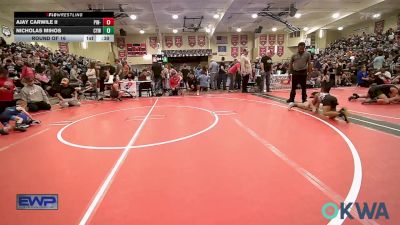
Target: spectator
56 75
67 94
362 77
232 71
379 61
266 67
35 96
245 69
213 69
193 84
204 79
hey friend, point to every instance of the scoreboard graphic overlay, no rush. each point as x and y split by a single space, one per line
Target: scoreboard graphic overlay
64 26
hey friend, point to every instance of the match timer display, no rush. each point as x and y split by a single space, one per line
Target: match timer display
64 26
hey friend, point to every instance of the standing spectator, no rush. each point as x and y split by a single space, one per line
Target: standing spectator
339 73
73 76
125 69
67 94
185 71
245 69
35 96
222 76
103 76
92 78
157 68
300 64
118 71
232 71
266 67
213 69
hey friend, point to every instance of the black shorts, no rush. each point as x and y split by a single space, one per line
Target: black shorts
114 94
331 101
374 93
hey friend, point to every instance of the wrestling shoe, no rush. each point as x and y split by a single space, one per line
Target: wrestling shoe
291 105
344 114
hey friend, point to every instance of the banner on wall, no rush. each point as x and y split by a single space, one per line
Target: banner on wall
178 41
201 40
243 39
169 41
263 39
263 51
234 39
379 26
192 41
153 42
134 50
121 42
234 52
271 39
280 51
122 54
281 39
63 47
271 50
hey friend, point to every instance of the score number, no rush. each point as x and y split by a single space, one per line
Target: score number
108 21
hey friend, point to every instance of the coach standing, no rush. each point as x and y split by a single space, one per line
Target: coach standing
245 69
300 64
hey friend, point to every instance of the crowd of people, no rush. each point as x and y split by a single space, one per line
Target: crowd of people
36 75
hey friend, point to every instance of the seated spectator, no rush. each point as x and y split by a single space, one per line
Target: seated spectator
56 75
362 77
6 90
74 76
27 73
193 84
204 79
315 77
35 96
346 78
67 94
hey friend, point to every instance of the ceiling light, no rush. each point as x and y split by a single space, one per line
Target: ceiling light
175 31
297 15
376 15
239 29
274 29
305 28
133 17
208 30
141 31
340 28
254 15
175 16
335 15
216 16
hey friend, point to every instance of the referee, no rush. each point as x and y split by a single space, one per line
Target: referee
300 64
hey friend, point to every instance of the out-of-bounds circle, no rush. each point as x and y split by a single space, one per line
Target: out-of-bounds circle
66 142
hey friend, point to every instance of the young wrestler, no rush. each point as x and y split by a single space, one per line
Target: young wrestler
329 104
116 92
381 94
18 114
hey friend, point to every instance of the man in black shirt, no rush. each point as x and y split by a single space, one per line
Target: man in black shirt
185 71
222 76
266 66
156 68
67 94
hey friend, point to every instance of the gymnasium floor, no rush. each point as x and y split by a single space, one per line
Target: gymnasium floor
211 160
